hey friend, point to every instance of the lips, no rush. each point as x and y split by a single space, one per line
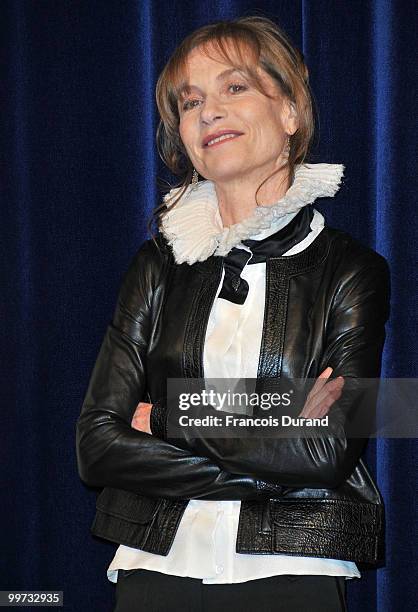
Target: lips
210 137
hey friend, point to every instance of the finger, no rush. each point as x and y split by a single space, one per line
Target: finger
319 409
328 401
329 393
327 405
329 384
320 381
326 373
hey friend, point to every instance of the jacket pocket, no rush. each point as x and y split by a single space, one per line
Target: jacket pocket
334 514
127 506
340 529
125 517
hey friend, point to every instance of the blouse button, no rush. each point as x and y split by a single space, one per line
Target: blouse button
219 569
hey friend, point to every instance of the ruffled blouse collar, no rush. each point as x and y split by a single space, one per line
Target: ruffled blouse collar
193 227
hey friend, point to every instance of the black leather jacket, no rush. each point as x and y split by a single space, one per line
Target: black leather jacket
325 306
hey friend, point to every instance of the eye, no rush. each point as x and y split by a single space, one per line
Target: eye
240 87
188 104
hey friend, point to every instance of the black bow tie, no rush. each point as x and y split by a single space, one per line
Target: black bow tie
234 288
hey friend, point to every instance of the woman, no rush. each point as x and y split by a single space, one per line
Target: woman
243 280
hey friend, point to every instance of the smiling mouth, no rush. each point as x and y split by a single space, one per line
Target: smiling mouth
221 139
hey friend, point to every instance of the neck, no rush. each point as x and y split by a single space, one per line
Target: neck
236 198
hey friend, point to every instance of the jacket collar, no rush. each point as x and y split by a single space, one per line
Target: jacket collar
193 227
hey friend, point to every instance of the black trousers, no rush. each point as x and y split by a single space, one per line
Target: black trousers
143 590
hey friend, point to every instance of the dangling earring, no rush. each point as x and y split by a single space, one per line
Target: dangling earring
286 152
285 155
195 178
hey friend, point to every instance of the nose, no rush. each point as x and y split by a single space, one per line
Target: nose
211 110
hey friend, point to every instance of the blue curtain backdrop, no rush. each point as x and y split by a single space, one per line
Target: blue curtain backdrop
78 182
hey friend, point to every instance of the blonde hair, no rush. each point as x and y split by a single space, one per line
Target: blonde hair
255 41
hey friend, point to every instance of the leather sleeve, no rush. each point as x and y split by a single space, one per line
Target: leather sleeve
110 453
354 339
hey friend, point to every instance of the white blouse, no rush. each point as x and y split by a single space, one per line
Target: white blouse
204 545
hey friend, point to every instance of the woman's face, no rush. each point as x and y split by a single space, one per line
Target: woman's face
222 100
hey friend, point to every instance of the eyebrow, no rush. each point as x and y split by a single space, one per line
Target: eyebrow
186 87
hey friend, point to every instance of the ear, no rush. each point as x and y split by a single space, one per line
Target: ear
290 117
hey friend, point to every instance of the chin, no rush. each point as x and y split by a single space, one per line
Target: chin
227 174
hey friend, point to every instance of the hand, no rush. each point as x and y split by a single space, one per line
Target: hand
142 417
322 395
